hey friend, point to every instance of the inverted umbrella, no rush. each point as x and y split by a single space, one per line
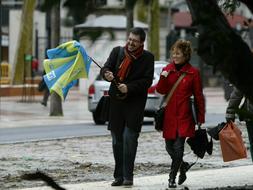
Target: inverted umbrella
65 64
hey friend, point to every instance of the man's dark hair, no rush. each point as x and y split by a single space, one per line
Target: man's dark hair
140 32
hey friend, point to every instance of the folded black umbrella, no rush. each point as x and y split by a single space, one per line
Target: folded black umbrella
199 143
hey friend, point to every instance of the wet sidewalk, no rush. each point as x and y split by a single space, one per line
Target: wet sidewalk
201 179
15 113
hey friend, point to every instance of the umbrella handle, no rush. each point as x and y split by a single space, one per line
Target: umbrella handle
120 95
95 62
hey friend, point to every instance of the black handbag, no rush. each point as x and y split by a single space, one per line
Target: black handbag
159 114
103 108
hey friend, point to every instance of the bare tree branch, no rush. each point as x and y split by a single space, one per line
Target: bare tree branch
220 46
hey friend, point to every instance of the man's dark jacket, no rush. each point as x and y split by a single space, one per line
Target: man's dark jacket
246 113
130 110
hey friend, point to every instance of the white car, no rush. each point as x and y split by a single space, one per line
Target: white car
100 88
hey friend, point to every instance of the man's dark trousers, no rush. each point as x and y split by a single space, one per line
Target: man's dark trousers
124 150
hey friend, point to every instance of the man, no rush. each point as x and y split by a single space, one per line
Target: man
43 88
247 115
130 75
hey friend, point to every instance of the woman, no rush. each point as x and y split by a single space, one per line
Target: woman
178 119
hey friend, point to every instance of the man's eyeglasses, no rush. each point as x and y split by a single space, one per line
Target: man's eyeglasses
133 40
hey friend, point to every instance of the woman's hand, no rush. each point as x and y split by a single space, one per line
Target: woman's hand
165 73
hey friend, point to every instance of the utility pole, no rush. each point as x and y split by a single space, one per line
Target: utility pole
169 23
171 35
0 32
0 50
36 42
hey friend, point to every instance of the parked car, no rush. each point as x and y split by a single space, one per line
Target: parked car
100 88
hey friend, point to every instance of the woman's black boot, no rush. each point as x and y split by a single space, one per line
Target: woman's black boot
185 166
172 183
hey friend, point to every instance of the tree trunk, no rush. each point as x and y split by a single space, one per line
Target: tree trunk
220 46
154 25
55 99
55 25
130 14
130 20
141 11
55 105
22 68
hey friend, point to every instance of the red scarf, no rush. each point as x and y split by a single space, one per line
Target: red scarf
128 59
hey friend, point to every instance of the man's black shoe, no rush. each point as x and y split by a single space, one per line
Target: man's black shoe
128 182
117 182
172 183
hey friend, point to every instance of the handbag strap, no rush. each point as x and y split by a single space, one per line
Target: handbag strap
120 55
172 90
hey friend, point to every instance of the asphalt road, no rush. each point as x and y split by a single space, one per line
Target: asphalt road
49 132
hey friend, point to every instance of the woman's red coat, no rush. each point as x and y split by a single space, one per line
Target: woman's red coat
178 115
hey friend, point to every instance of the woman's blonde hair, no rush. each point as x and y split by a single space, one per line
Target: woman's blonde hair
184 46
